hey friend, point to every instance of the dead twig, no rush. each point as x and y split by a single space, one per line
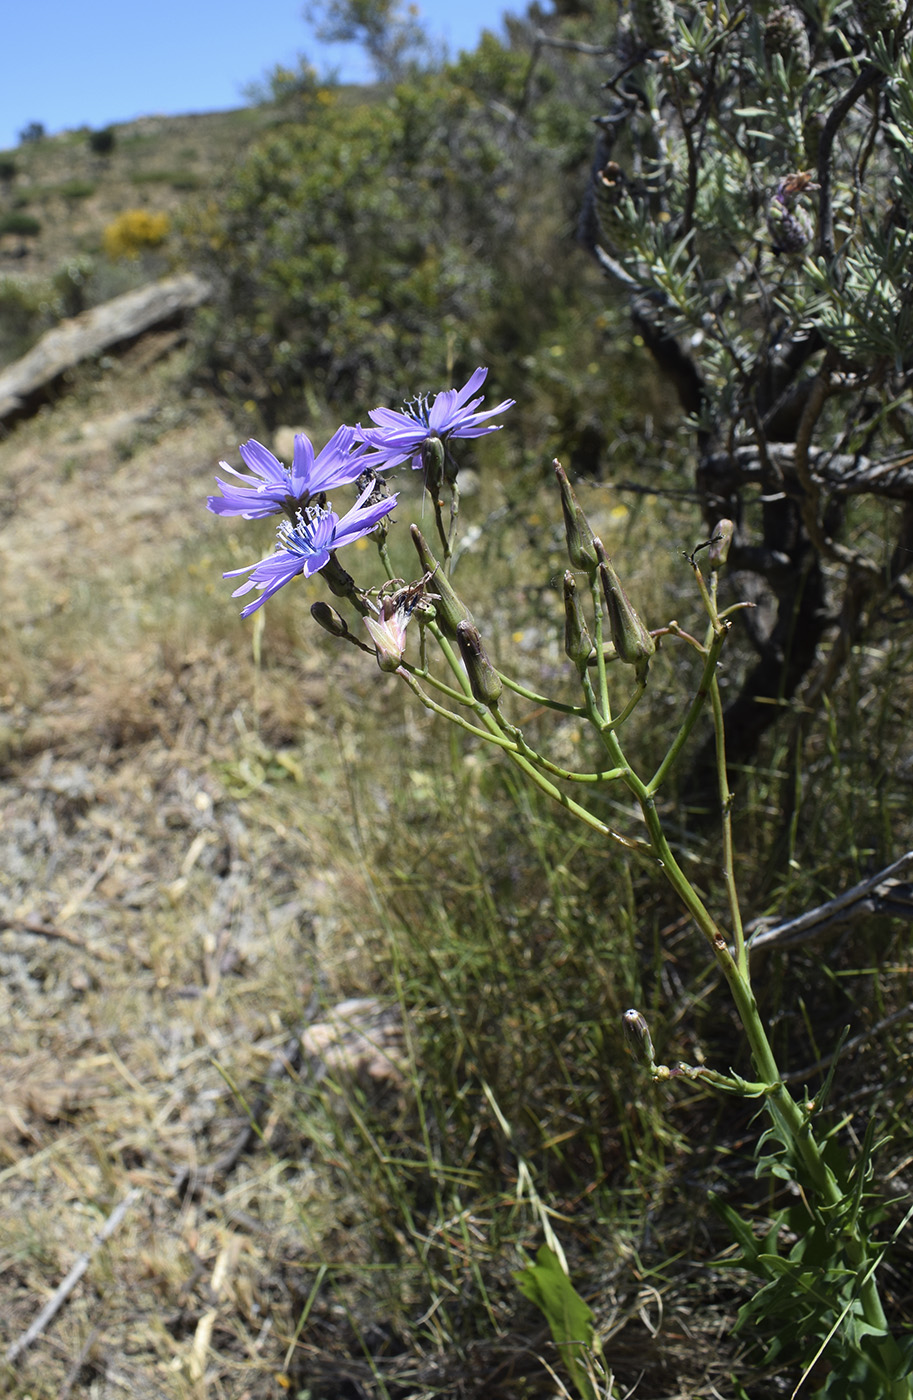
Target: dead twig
193 1182
807 1072
62 1293
867 897
66 1389
53 931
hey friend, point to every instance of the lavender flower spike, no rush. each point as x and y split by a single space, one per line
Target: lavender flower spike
397 436
304 546
271 487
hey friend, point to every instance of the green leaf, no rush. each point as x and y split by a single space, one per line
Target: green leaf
742 1231
569 1317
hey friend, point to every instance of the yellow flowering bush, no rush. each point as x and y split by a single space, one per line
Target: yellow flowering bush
134 231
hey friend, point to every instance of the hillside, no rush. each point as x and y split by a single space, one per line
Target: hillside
155 163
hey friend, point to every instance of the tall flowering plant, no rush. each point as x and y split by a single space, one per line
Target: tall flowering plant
820 1290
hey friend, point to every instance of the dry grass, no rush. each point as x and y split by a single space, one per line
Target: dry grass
161 923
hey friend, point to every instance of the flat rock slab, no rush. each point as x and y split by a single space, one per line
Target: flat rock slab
25 384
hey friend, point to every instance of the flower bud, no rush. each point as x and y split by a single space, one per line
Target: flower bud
785 34
433 465
484 681
449 610
718 553
879 15
581 542
654 21
577 641
633 643
637 1034
788 224
328 618
790 229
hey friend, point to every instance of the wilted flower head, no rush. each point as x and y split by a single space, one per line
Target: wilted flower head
388 628
788 223
272 487
388 633
303 546
397 435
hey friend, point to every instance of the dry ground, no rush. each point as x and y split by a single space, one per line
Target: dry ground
160 919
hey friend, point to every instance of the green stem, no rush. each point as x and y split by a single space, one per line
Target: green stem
543 700
729 880
792 1122
694 709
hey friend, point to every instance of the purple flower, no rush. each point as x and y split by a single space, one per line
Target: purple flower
397 436
304 546
273 487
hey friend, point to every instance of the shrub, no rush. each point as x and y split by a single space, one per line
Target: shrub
18 222
77 189
752 197
133 232
20 318
8 169
70 284
102 142
382 233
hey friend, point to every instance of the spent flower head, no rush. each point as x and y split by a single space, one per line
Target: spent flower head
304 545
388 626
388 633
398 435
272 487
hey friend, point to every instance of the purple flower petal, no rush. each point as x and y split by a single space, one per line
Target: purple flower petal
397 435
269 487
305 547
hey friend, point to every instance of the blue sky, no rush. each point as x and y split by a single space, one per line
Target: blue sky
71 63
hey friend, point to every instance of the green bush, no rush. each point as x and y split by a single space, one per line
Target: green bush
18 222
102 142
77 189
178 179
20 319
411 229
71 286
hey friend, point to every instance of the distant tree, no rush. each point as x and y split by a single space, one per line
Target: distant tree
102 142
392 36
34 131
